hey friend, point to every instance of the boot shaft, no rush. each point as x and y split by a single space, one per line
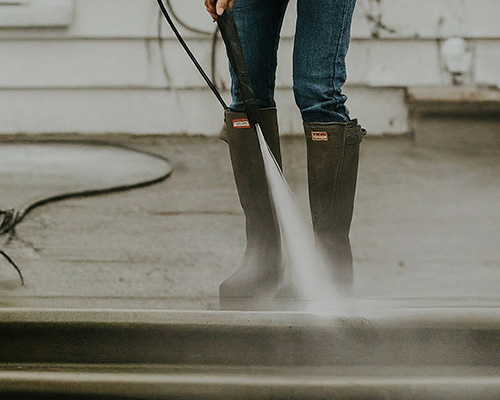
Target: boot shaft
269 126
332 159
332 162
249 171
326 147
260 271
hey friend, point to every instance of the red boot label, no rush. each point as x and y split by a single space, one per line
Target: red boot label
241 123
319 136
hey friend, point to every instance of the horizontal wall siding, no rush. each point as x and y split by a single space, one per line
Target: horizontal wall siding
114 111
153 64
400 19
427 19
487 62
36 13
110 57
146 111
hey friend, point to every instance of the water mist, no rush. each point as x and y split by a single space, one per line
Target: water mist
307 269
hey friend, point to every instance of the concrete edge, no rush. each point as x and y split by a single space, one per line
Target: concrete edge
430 317
219 385
454 100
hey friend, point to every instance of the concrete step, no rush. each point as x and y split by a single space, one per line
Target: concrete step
188 382
455 117
438 352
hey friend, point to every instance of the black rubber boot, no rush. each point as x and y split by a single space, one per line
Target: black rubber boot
332 163
260 272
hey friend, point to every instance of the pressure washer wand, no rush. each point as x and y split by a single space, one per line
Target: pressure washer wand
229 34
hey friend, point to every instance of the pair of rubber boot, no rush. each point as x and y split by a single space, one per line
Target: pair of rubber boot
332 159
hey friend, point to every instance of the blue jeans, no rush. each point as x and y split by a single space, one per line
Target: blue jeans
321 42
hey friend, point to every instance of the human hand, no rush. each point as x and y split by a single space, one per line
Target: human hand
217 7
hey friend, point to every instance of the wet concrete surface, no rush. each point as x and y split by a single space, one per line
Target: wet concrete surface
103 272
426 225
46 169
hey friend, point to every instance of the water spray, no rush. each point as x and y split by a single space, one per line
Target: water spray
307 265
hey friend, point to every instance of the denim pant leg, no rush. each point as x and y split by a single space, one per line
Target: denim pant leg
259 24
321 43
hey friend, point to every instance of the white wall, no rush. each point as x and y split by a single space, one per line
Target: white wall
99 67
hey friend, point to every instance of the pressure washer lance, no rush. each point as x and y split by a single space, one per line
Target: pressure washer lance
229 33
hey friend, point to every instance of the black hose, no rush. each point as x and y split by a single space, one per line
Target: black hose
9 219
13 217
168 5
14 265
208 81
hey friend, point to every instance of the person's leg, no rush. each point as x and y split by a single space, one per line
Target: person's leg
321 43
260 272
259 25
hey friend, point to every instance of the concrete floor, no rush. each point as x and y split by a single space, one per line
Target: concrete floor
426 225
